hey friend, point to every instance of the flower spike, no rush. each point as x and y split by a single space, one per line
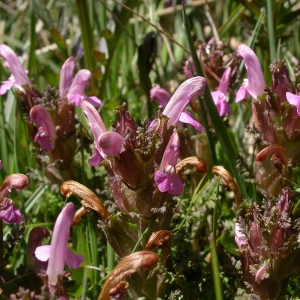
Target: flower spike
255 84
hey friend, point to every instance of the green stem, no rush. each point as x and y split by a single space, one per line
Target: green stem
216 213
215 270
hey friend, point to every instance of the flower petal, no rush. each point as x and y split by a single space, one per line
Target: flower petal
81 80
171 153
14 66
96 158
182 96
162 181
9 213
46 129
72 259
42 253
255 75
111 143
186 118
95 101
66 76
176 185
95 121
59 243
160 95
242 93
6 85
294 100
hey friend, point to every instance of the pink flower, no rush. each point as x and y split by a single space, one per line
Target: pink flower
106 143
19 77
166 178
219 96
8 211
255 84
294 100
180 99
57 253
66 76
46 134
76 92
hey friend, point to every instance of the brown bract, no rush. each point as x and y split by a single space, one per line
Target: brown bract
161 239
228 181
129 265
89 199
198 163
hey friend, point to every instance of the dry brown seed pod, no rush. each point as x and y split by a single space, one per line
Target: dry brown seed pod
229 181
198 163
89 199
277 154
78 214
14 181
129 265
161 239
